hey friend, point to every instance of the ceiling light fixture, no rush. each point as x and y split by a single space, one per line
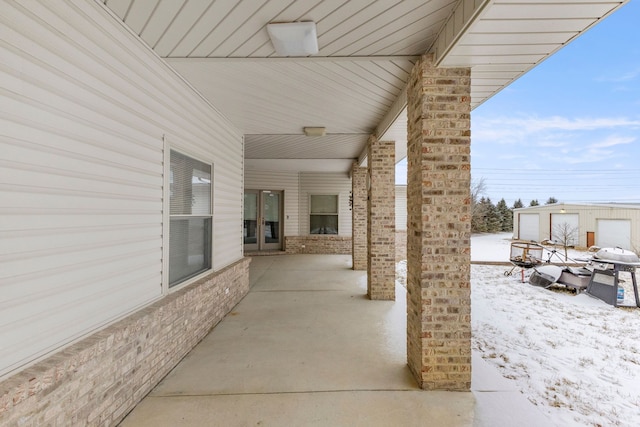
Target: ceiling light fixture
315 131
294 38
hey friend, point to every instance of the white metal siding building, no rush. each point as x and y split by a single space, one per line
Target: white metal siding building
604 225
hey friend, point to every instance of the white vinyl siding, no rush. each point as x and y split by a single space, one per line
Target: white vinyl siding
288 182
401 207
326 183
84 109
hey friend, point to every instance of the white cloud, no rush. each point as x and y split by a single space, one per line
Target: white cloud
624 77
613 140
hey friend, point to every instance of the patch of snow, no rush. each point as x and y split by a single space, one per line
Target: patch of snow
574 356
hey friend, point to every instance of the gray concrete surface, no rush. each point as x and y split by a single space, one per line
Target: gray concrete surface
307 348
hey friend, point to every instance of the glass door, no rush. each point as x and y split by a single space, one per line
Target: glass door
262 225
271 220
250 223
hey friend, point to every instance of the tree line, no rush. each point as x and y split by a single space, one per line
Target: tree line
489 218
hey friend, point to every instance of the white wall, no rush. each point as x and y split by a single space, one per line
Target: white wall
84 110
401 207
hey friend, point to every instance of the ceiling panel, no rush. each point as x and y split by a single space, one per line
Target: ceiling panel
159 20
510 37
284 96
366 52
138 15
531 10
119 7
293 147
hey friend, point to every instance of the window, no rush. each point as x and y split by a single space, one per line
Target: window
190 218
323 217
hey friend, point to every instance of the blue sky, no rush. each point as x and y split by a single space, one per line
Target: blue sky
569 128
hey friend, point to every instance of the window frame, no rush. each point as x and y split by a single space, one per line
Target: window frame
166 218
336 214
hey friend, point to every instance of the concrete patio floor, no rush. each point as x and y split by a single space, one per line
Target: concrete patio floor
307 348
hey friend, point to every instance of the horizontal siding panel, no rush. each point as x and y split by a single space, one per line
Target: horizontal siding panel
61 240
84 113
68 163
37 220
65 327
28 287
65 299
93 148
17 264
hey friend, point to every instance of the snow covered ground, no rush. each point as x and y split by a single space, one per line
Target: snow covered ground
574 356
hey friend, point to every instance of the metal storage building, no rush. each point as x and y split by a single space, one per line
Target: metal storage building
585 225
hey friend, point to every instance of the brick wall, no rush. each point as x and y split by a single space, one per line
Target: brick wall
381 225
98 380
359 217
318 244
439 226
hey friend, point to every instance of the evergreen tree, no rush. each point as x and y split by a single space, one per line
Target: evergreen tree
493 219
478 222
506 216
518 204
551 201
534 202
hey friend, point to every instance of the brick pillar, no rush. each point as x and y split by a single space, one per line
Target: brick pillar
359 217
381 224
439 226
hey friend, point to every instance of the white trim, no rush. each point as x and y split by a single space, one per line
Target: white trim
337 213
166 170
166 217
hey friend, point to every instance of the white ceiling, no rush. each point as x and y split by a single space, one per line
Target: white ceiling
354 85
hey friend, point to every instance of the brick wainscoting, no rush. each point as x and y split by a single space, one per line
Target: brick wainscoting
318 244
98 380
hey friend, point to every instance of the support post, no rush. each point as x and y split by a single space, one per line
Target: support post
381 224
439 226
359 217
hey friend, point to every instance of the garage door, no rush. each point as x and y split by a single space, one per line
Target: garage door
529 227
565 228
614 232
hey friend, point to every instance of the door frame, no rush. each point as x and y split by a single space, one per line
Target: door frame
261 244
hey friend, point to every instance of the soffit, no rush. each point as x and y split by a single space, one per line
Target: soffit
506 38
367 49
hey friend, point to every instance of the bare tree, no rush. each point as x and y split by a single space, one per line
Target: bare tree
566 235
478 188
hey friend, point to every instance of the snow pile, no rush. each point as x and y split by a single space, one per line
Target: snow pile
574 356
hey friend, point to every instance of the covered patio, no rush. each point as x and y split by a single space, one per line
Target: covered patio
132 130
306 347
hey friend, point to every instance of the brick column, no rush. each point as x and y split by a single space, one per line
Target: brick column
439 227
381 224
359 217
